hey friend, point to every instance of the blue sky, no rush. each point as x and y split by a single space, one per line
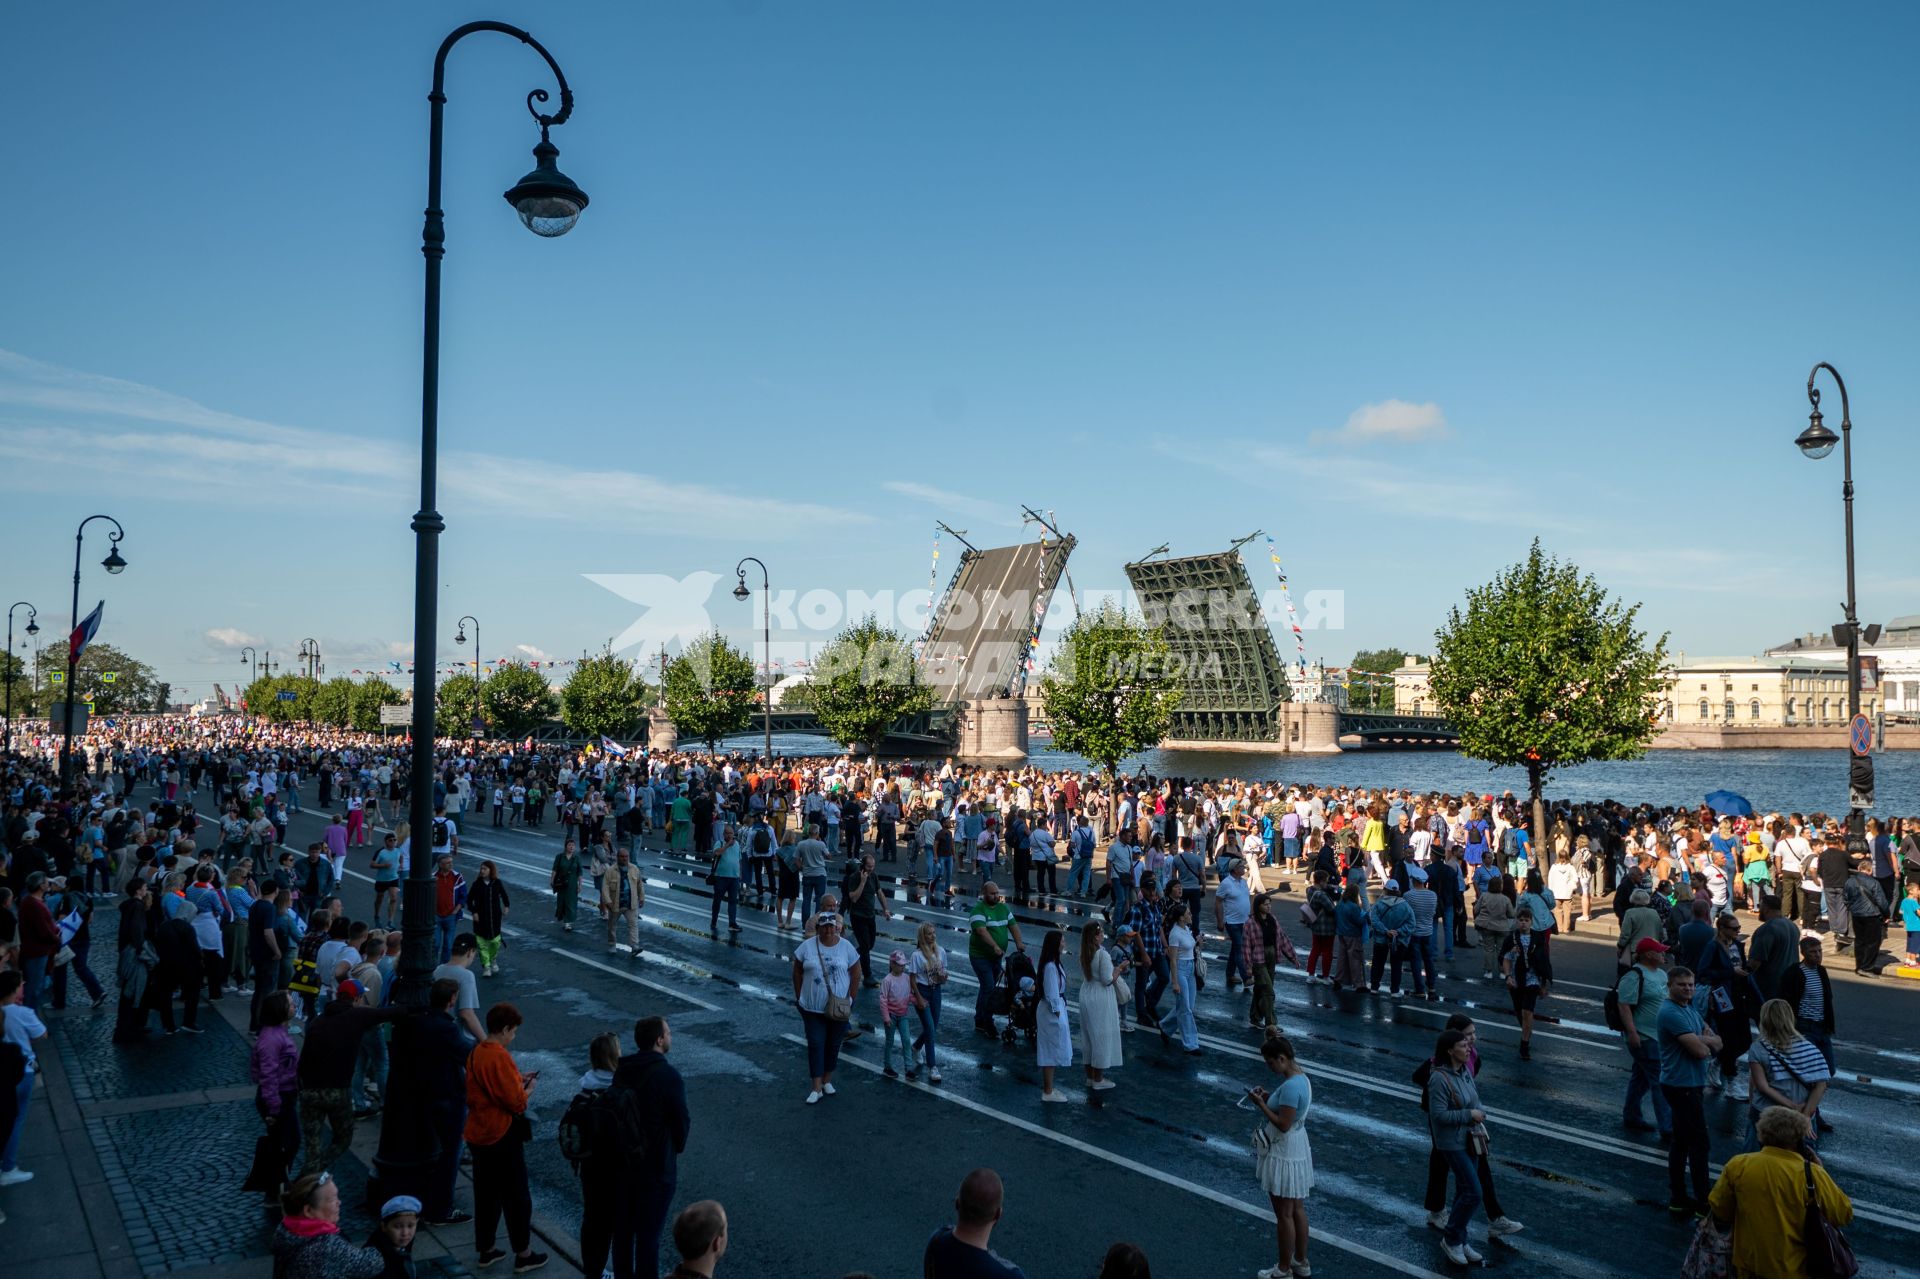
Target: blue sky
1403 284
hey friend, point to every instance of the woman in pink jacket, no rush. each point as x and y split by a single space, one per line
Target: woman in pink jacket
276 1063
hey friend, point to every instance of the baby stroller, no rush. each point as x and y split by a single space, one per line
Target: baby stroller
1023 998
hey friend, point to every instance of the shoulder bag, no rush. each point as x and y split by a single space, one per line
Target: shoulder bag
1829 1255
839 1007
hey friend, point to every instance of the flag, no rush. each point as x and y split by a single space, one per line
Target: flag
610 746
83 634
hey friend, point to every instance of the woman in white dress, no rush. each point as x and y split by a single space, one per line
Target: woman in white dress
1099 1008
1285 1158
1055 1039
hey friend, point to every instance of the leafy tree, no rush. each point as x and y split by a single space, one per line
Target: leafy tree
709 689
106 676
864 682
456 705
363 706
517 700
604 695
25 697
162 695
1543 670
1110 689
333 702
1375 694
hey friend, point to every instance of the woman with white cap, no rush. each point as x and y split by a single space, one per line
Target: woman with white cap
826 972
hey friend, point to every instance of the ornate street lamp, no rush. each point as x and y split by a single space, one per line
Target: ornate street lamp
460 637
114 566
741 593
33 628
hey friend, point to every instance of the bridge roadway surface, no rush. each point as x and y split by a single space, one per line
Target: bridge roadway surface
1163 1158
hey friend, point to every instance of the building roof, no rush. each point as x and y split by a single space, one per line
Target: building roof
1900 633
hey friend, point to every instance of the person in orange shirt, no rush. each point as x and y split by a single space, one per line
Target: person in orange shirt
497 1131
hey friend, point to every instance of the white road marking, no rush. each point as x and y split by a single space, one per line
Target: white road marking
1262 1213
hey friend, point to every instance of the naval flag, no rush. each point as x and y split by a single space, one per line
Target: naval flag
83 634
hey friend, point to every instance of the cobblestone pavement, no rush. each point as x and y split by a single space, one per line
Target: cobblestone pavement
102 1070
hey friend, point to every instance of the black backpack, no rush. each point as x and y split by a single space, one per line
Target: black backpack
1616 1015
602 1123
440 833
762 841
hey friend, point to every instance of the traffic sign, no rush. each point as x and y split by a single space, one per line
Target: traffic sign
108 677
401 714
1860 735
284 696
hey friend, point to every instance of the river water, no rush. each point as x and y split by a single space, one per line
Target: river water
1788 780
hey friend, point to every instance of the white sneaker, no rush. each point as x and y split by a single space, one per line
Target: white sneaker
15 1176
1053 1096
1457 1255
814 1096
933 1077
1471 1254
1505 1226
829 1090
1438 1219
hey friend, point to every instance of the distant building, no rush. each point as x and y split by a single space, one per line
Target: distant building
1891 667
1412 694
1762 692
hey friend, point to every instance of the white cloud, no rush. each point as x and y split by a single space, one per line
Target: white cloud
972 508
1396 421
49 415
231 637
533 653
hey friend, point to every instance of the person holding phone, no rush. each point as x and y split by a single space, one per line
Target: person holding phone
1285 1158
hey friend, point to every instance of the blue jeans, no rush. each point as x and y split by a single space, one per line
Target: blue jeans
370 1066
10 1157
929 1021
1290 848
1184 998
1150 981
1080 877
1237 966
824 1037
942 878
987 972
35 971
293 798
1443 932
1466 1194
444 928
1122 896
812 889
1645 1080
726 888
1420 952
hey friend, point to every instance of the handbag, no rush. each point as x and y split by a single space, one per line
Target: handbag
1829 1255
268 1171
520 1128
1477 1141
1710 1256
63 956
839 1007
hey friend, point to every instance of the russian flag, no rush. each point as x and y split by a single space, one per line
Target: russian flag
83 634
610 746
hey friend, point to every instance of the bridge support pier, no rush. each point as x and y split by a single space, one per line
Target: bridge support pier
1310 728
993 730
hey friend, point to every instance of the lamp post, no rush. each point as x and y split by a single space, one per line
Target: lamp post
33 628
548 204
114 565
1816 442
310 654
740 592
250 658
460 637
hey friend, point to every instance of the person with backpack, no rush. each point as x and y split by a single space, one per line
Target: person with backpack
653 1169
1633 1008
597 1134
446 832
449 901
760 870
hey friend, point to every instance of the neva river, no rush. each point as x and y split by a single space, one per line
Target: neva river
1787 780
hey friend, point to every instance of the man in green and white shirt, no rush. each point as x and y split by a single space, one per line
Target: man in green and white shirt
988 929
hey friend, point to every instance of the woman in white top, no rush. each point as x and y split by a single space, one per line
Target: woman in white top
826 972
1182 951
1054 1038
927 965
1563 880
1099 1008
1285 1158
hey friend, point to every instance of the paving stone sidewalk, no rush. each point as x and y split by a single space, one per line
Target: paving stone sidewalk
138 1154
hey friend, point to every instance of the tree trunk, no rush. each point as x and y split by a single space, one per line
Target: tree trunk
1537 817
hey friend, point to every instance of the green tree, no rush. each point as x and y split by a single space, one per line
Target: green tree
604 695
363 706
162 695
1110 689
709 689
333 702
25 696
864 682
1544 671
114 682
1375 694
517 700
456 705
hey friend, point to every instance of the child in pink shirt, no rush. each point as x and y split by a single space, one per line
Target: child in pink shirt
897 1000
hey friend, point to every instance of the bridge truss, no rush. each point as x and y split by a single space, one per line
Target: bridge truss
1231 677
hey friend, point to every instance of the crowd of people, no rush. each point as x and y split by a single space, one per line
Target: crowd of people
185 822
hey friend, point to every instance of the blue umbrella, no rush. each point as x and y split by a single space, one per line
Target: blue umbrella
1728 804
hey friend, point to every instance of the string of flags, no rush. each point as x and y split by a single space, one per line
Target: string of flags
1286 597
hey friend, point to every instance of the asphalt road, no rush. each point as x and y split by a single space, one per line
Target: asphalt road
859 1181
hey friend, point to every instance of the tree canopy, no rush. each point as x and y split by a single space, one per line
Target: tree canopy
368 696
456 704
1375 694
864 682
1543 670
1110 689
605 695
517 700
114 682
709 689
